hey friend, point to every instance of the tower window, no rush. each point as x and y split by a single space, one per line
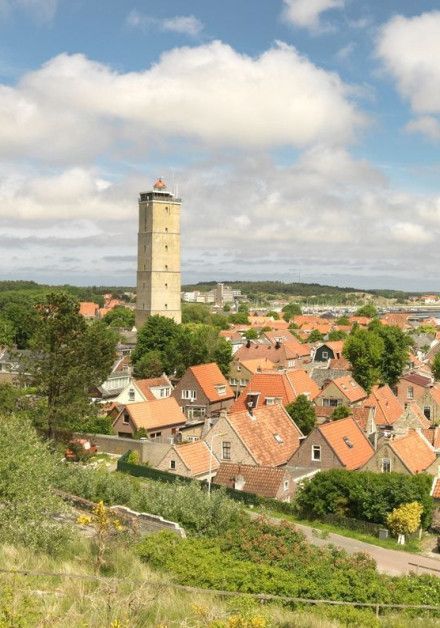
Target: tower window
166 285
166 247
167 210
166 229
166 266
166 306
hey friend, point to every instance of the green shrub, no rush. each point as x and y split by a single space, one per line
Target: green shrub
133 457
364 495
188 503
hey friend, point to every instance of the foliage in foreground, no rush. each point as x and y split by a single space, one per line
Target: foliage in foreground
263 558
366 495
188 504
28 504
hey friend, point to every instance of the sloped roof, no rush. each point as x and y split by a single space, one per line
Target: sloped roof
155 414
302 383
435 393
349 387
436 488
274 353
415 410
258 364
263 481
269 434
268 385
302 349
195 456
418 380
348 442
88 308
284 334
335 345
432 435
145 385
340 363
208 377
413 450
388 407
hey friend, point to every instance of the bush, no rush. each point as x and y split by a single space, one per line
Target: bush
188 503
133 457
405 519
363 495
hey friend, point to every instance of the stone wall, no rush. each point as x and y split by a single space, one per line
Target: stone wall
139 522
149 451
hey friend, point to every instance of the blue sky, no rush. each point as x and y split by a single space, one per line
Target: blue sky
303 135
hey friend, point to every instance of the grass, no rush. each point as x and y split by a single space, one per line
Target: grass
412 546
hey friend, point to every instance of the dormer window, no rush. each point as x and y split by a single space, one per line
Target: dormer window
278 438
221 389
131 394
348 442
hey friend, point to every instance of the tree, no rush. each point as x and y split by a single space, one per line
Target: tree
405 519
28 503
251 334
340 412
104 523
368 310
302 412
68 357
290 310
195 313
315 336
120 317
337 334
395 354
364 350
7 332
436 367
343 320
158 333
149 365
273 314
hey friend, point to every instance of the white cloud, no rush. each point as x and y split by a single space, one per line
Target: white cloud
183 24
73 109
307 13
409 48
410 232
42 10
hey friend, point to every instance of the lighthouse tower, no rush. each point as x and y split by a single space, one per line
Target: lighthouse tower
158 262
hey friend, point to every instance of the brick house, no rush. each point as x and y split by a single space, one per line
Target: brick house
266 436
191 460
282 355
265 389
203 391
342 391
388 408
270 482
411 453
335 445
160 418
241 372
412 387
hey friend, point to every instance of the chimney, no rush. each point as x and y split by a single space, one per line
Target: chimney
277 344
248 344
239 482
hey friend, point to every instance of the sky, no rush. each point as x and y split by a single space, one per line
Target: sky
302 135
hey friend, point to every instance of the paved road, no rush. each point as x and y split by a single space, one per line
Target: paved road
388 561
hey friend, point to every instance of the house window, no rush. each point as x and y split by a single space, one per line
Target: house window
316 453
125 419
330 403
131 395
166 306
427 412
166 247
163 392
226 450
386 465
410 392
233 381
221 389
155 434
243 382
172 464
166 229
286 485
166 266
325 355
189 394
278 438
290 363
166 285
271 401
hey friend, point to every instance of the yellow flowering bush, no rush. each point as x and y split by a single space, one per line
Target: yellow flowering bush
405 519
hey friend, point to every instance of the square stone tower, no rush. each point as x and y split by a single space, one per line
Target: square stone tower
158 262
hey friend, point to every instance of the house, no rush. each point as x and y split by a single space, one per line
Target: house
429 403
396 319
266 389
191 460
410 453
412 387
116 382
388 408
269 482
241 372
412 418
432 435
145 390
88 309
160 418
203 391
266 436
281 355
329 351
342 391
336 445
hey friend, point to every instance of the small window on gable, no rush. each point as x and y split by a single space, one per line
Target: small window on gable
172 464
131 394
316 453
386 465
166 247
410 392
125 419
286 485
325 355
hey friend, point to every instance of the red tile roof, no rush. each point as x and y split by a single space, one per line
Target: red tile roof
155 414
145 385
209 377
432 435
388 407
267 385
418 380
88 309
195 456
303 384
348 442
349 387
413 451
278 354
263 481
269 434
